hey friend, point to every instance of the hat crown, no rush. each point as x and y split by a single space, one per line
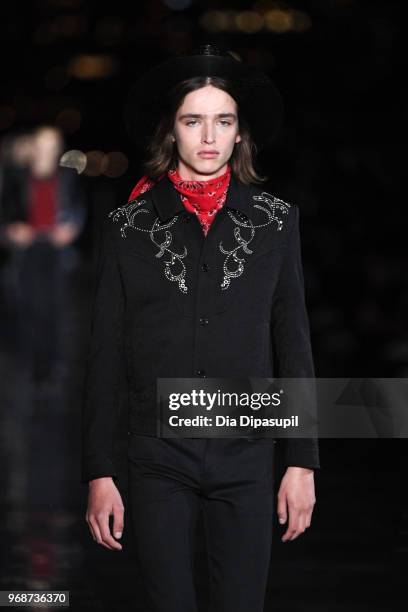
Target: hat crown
257 97
209 49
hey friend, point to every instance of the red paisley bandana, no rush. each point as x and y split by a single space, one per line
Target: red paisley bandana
204 197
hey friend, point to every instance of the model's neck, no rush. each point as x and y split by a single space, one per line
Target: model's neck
189 174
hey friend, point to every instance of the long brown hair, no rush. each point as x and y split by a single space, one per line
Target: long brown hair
162 152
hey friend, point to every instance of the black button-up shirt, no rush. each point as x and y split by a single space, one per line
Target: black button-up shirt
172 302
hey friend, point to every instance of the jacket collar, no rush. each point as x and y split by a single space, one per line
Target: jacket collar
168 203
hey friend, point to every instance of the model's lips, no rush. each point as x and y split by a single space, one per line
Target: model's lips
208 153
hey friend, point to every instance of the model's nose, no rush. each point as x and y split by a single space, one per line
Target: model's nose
208 135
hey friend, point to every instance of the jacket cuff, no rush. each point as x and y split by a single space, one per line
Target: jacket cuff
301 453
97 466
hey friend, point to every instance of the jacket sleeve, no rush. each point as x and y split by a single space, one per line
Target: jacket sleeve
12 195
291 341
104 360
74 205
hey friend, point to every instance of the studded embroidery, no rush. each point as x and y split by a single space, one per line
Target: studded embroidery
129 211
275 207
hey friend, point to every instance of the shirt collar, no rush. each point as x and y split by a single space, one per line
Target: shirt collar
167 201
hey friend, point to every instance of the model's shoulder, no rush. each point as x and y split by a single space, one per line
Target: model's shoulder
266 200
266 191
123 216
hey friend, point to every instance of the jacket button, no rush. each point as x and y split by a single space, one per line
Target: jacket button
205 267
201 373
204 321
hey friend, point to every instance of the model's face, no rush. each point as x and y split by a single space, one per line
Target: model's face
207 121
47 145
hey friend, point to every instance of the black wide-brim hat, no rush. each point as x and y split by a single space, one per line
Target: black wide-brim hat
258 99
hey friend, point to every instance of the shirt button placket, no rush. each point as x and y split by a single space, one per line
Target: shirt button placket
203 297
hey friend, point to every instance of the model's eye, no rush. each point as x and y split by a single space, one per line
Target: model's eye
225 122
191 122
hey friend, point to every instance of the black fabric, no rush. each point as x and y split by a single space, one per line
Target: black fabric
258 98
171 481
172 303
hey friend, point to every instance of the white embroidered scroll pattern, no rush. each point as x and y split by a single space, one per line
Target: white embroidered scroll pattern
129 211
275 208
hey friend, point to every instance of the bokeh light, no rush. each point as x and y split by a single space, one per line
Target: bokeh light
74 159
96 163
117 164
92 66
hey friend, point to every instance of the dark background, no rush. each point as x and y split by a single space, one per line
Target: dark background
340 157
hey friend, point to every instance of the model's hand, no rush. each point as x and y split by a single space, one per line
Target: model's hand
104 500
20 233
63 233
296 495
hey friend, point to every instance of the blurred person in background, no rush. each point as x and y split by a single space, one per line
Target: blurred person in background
42 214
15 152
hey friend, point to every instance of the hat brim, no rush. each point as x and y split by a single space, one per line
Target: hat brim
258 98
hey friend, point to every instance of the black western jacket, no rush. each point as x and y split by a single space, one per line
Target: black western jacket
171 302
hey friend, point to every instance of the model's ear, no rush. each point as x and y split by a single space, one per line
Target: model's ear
237 138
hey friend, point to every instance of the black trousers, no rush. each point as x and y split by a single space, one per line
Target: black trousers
231 480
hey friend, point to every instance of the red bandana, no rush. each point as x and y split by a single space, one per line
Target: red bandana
204 198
